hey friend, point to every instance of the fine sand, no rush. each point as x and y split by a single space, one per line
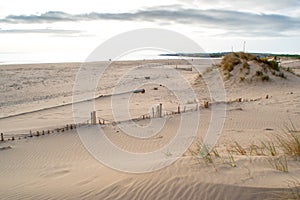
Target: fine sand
57 165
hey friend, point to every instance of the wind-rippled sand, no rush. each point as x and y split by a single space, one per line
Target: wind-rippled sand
58 166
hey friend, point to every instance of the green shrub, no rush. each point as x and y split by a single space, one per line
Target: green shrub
282 75
259 73
272 64
265 78
245 65
246 56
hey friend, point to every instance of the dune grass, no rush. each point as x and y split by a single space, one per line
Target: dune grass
290 141
279 163
278 150
268 66
229 61
203 151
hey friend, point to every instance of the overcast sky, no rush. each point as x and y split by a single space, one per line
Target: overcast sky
52 26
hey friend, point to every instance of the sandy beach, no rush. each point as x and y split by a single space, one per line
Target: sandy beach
57 164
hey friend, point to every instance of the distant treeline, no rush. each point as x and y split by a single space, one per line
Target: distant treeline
221 54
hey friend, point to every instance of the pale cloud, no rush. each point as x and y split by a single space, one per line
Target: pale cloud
234 22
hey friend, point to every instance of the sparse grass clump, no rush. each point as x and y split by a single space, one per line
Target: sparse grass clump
282 75
290 70
231 161
272 63
259 73
247 56
270 147
246 65
277 151
203 151
279 163
290 142
239 149
265 78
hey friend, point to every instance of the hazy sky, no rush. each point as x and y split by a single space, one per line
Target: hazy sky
52 26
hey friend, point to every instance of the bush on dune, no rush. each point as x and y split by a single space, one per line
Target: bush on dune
229 61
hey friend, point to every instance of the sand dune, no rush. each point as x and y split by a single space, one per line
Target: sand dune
59 166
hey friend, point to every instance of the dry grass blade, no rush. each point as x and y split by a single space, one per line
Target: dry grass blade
290 141
270 146
203 151
232 162
239 149
279 163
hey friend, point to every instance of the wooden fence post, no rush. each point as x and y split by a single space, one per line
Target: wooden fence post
93 118
160 110
206 105
2 137
153 114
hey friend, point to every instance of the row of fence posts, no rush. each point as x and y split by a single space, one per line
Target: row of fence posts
43 132
158 112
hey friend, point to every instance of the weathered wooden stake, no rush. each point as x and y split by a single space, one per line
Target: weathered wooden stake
2 137
160 110
37 133
153 114
206 105
93 118
30 133
43 132
67 127
178 109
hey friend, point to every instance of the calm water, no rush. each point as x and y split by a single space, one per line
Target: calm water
60 57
